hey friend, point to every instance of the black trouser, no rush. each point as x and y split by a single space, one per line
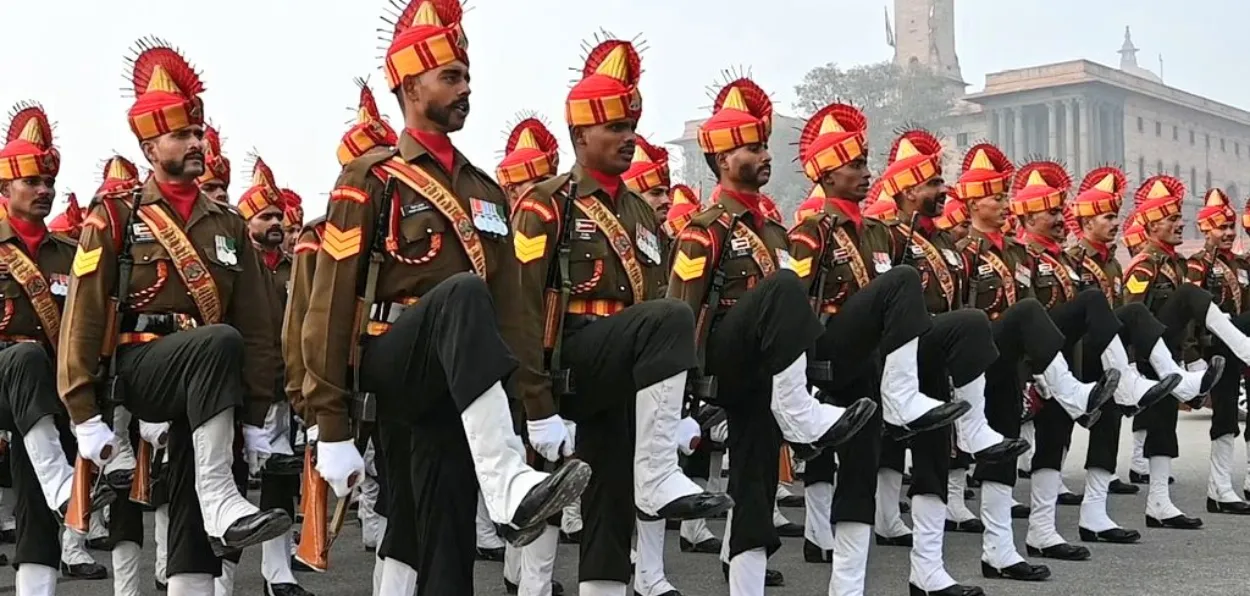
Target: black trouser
1086 320
27 395
1184 310
1224 417
958 349
1139 332
1027 341
439 356
872 323
761 335
611 359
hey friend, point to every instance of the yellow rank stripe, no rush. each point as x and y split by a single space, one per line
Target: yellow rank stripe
85 261
341 244
1136 285
529 249
687 268
801 267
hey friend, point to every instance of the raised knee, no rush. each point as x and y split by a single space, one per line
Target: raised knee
222 338
904 275
26 355
670 314
466 283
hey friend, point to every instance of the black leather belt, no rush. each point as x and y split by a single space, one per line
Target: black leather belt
158 323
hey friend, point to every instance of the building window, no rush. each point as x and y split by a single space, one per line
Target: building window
1176 170
1176 133
1208 179
1237 149
1208 136
1222 146
1141 124
1141 168
962 139
1159 167
1191 136
1158 129
1193 178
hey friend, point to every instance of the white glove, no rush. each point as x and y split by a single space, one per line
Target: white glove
156 433
549 437
310 435
256 447
96 440
720 432
340 464
688 434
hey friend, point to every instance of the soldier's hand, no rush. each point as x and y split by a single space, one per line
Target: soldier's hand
340 464
156 433
720 432
256 447
688 435
96 441
550 437
311 434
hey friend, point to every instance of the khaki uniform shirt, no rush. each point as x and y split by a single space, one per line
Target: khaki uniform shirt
1099 269
18 317
999 277
303 266
855 255
937 261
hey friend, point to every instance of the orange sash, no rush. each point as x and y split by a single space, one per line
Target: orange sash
854 259
27 274
447 204
759 251
186 260
618 238
1000 269
936 262
1101 277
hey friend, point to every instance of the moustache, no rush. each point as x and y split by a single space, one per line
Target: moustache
461 104
194 155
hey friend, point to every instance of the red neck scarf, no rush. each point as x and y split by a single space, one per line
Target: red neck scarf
438 145
752 201
609 184
181 196
995 238
1101 248
1051 246
272 258
925 225
850 209
1166 248
32 234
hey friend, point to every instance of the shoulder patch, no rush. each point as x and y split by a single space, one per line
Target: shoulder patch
529 249
696 235
349 193
805 240
306 246
341 244
687 268
85 261
545 213
95 220
1136 284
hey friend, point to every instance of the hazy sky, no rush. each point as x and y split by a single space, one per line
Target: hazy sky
279 72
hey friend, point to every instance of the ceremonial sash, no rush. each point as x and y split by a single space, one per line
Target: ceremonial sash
854 259
1000 268
619 240
1101 277
36 288
759 251
186 260
1062 274
935 262
446 203
1232 285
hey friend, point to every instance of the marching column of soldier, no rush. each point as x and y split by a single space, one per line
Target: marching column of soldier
580 345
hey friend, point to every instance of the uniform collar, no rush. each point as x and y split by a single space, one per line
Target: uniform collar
410 149
152 195
738 203
1102 249
847 209
1159 247
995 238
587 185
1045 243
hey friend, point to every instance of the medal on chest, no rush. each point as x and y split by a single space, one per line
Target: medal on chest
840 256
58 284
489 217
584 229
951 258
881 262
1022 276
647 243
739 247
226 251
140 233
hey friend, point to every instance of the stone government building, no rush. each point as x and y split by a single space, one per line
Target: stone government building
1080 112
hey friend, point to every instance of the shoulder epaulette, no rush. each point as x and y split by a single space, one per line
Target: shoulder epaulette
65 239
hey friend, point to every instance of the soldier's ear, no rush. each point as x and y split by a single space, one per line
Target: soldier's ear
4 188
149 150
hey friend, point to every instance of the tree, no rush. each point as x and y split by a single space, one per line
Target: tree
892 98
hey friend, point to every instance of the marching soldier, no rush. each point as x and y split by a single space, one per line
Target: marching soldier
215 181
625 354
425 235
1084 315
176 359
1217 270
292 223
869 308
760 329
648 176
953 224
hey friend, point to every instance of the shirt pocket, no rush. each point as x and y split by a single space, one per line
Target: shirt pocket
226 270
423 235
150 274
588 264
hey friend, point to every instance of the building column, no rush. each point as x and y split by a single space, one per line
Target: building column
1052 129
1019 140
1073 134
1086 158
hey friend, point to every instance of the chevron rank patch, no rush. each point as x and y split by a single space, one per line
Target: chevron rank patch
341 244
529 249
801 267
687 268
1136 285
85 261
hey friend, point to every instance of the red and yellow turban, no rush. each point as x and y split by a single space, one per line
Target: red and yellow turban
686 203
649 168
216 166
167 91
986 172
879 205
954 212
1134 235
608 90
915 158
832 138
426 35
1101 191
1039 186
70 221
263 193
814 204
1159 197
292 208
531 153
368 131
1215 211
742 115
120 176
28 149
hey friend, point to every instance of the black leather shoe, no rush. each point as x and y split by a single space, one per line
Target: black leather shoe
792 501
790 530
1137 478
1005 450
1062 551
1023 474
812 553
251 530
8 536
286 590
972 526
551 495
904 540
283 465
772 577
699 506
1215 370
573 538
490 554
668 593
1157 392
1102 393
1020 511
711 546
298 566
1023 571
1120 487
103 543
1232 507
938 417
853 420
955 590
1070 499
969 493
84 571
972 482
1114 536
1180 522
160 586
557 588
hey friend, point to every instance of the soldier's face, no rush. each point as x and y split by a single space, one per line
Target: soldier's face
180 154
30 198
1101 228
1168 230
1048 224
990 212
215 190
608 147
1223 236
658 199
751 165
441 95
266 227
289 235
960 231
932 195
850 182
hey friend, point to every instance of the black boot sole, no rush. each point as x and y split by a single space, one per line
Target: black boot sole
568 490
1236 508
271 529
1159 392
1092 536
1215 370
939 417
853 420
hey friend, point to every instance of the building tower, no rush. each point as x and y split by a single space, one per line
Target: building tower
924 33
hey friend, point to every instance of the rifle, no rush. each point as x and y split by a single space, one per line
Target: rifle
315 537
821 370
556 298
702 386
911 237
977 246
86 476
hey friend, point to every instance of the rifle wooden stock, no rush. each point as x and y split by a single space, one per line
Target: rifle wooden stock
141 486
314 544
551 318
78 512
